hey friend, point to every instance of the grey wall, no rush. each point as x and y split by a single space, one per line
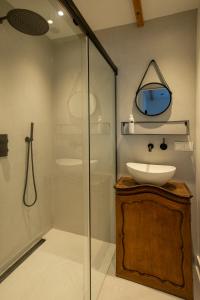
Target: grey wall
70 139
198 136
171 41
25 89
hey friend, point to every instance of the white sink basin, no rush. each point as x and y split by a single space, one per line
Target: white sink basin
74 166
151 174
72 162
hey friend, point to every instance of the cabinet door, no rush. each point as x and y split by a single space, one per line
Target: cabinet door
153 242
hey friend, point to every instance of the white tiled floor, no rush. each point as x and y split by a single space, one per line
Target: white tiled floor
115 288
57 270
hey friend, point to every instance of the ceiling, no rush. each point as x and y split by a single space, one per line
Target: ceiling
110 13
100 14
62 26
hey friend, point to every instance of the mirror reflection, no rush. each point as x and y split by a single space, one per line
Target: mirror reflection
153 99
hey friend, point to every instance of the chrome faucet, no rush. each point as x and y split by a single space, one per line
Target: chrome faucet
150 147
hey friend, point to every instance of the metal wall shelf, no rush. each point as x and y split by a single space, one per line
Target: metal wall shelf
157 128
96 128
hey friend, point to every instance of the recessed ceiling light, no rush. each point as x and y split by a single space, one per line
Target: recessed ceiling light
60 13
50 22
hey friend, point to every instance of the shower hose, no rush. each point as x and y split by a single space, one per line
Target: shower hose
29 141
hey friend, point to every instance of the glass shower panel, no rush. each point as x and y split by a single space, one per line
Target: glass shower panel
43 80
102 166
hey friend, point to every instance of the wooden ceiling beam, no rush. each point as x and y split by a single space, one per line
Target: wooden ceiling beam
138 12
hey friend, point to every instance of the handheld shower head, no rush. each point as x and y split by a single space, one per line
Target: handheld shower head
26 21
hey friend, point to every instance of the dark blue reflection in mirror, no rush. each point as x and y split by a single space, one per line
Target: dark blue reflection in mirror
153 99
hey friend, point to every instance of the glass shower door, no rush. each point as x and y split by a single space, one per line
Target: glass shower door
102 166
43 80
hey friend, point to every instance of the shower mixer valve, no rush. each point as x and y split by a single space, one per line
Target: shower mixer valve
3 145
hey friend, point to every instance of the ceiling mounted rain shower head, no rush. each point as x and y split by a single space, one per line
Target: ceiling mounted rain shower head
26 21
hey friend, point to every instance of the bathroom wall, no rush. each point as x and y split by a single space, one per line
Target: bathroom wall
25 97
70 135
198 138
102 147
171 41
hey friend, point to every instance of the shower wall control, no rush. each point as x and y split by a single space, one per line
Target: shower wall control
3 145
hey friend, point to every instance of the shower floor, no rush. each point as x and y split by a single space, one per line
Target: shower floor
115 288
56 270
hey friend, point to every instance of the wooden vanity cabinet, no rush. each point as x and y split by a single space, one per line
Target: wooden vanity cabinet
153 236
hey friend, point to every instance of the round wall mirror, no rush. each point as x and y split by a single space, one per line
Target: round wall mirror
76 104
153 99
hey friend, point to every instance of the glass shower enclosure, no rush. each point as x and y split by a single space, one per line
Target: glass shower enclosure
57 153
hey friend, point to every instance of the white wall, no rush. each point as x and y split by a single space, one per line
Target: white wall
171 41
102 147
197 134
69 135
25 97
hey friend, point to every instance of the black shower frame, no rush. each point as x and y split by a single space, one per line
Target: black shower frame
81 22
86 29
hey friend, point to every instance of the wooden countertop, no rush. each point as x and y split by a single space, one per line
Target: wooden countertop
173 187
